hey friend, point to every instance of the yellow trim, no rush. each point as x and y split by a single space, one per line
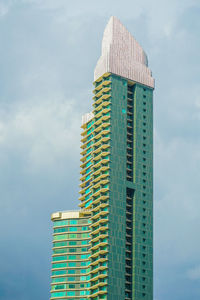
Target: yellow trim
105 181
81 198
103 118
84 212
100 177
103 89
97 261
100 228
98 276
103 153
101 127
82 184
102 212
100 86
101 205
86 136
95 201
97 285
100 244
102 161
103 168
99 149
97 293
84 169
102 190
82 204
84 176
84 145
97 96
85 162
102 105
101 133
96 254
101 77
103 111
83 152
103 221
101 99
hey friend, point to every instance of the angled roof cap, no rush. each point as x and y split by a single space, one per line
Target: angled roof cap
122 55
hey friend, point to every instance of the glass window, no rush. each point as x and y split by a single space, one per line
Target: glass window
61 257
84 242
72 236
63 229
60 223
84 228
84 249
60 272
71 286
58 251
58 294
72 264
59 279
73 229
84 256
61 236
83 278
85 235
59 244
72 222
60 265
82 293
88 203
87 177
72 257
72 243
71 293
72 249
59 287
71 278
88 170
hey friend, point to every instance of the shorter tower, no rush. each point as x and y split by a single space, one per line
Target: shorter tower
70 259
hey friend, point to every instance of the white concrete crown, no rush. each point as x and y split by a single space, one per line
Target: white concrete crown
69 214
122 55
87 117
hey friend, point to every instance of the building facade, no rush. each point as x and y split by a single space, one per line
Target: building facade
71 256
116 194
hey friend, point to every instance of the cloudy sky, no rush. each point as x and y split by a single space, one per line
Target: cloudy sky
48 51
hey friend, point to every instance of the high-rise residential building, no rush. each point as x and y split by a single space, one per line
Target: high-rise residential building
116 196
71 255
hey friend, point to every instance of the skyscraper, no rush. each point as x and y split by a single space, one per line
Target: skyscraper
117 174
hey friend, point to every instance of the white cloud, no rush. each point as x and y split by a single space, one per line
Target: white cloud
177 163
43 133
194 273
4 8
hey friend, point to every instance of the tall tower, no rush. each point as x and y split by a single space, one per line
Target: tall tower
117 171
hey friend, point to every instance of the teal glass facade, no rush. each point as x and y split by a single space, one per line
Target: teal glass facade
116 192
70 258
124 148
